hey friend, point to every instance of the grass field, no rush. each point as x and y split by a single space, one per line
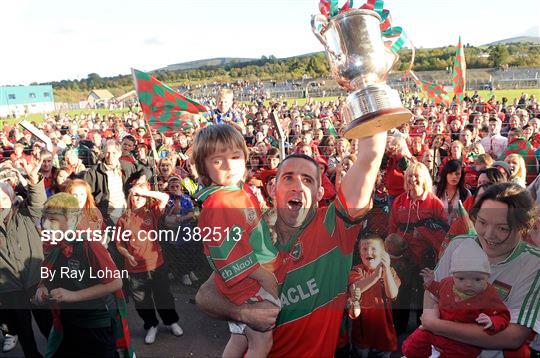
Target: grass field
510 94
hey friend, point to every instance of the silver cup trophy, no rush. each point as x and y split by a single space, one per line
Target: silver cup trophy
360 63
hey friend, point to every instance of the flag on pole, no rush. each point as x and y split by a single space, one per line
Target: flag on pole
458 73
165 109
461 225
434 91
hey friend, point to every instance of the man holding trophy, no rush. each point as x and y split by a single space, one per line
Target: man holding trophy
316 244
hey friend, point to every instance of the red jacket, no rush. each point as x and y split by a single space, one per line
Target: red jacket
428 218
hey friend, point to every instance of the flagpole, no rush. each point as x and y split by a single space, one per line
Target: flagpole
149 131
154 153
274 117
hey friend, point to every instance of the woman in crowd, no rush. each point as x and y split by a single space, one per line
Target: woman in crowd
91 217
59 180
451 187
518 169
419 217
503 216
166 169
327 146
486 177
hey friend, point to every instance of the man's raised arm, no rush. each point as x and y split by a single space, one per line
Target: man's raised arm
357 185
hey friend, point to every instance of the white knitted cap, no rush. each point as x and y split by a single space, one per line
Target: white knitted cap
469 256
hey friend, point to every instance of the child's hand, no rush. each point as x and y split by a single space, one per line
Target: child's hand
377 273
42 295
385 259
132 260
484 320
428 276
63 295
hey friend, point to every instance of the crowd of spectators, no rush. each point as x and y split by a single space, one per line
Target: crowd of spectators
436 167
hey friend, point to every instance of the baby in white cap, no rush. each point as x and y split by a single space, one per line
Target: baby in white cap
466 297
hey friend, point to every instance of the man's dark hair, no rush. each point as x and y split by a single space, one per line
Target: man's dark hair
301 156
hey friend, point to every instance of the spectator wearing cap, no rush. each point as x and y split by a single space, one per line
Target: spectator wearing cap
494 143
82 151
504 168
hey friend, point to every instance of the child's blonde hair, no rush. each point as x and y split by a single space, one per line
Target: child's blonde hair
208 140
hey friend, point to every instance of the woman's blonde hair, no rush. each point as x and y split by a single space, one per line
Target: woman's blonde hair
423 174
522 168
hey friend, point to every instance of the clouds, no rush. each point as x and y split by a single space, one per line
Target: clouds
153 41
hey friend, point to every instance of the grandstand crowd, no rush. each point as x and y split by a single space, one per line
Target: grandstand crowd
437 174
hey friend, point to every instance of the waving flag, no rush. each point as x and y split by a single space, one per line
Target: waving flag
434 91
458 74
165 109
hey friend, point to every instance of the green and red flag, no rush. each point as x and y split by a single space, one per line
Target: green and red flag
461 224
434 91
165 109
458 73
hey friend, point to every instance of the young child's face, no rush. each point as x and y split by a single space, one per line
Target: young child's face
470 282
370 253
175 187
226 166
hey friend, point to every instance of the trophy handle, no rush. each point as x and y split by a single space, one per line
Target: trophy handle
391 59
318 22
